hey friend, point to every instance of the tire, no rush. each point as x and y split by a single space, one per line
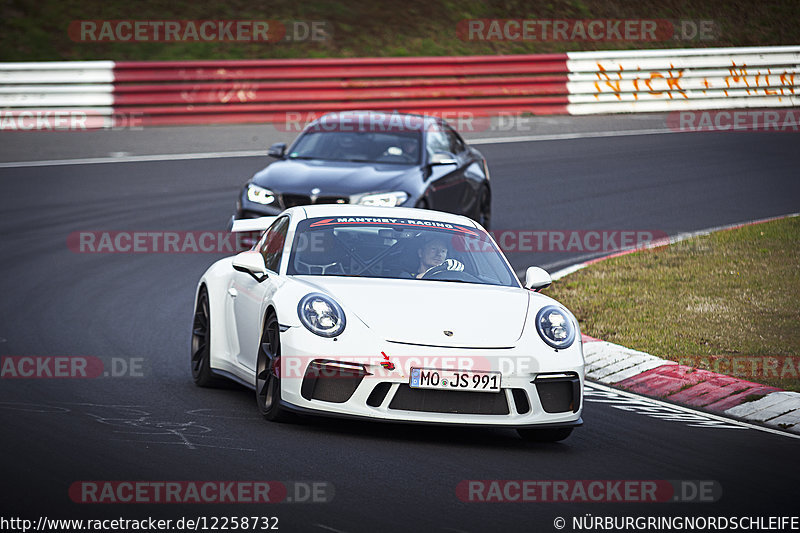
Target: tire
201 343
545 434
422 203
268 381
485 209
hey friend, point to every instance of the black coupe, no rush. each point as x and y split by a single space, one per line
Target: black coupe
373 158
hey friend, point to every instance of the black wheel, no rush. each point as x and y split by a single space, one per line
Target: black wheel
485 209
422 203
201 343
268 380
545 434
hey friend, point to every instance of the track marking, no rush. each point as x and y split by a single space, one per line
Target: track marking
133 159
672 406
329 528
262 153
569 136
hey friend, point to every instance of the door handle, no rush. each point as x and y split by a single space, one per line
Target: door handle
233 292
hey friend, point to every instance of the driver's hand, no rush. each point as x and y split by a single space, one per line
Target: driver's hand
453 264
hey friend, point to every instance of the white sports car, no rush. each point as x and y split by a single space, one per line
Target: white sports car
390 314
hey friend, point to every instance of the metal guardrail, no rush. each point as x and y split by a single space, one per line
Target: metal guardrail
258 91
202 92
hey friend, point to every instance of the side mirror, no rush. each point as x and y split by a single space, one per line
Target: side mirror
252 263
277 150
443 158
537 278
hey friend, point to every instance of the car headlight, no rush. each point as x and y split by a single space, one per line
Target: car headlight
321 315
260 195
386 199
555 327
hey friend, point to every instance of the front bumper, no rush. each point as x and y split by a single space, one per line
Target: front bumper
545 392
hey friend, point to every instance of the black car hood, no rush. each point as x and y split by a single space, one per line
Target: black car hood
337 178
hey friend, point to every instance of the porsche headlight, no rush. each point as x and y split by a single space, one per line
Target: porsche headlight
321 315
387 199
555 327
260 195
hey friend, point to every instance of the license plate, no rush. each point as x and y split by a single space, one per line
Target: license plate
464 380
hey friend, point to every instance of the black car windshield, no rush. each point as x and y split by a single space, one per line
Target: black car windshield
398 248
392 147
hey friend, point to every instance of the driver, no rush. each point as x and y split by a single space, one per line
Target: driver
345 145
409 147
433 257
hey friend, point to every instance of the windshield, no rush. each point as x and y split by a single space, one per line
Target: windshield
366 146
397 248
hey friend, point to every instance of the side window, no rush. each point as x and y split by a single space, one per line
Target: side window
272 243
436 141
454 141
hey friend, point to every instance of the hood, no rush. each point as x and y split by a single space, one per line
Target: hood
335 178
419 312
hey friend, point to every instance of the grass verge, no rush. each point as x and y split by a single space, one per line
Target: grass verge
726 302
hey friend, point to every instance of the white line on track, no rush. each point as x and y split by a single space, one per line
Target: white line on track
595 385
568 136
260 153
329 528
133 159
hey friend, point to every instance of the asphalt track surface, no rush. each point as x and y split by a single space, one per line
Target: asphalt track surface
159 426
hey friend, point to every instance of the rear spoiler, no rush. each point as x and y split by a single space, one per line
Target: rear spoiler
251 224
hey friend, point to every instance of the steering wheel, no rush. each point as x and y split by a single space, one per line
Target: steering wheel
322 270
450 275
455 271
432 272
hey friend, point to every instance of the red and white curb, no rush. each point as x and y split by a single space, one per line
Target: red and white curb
653 376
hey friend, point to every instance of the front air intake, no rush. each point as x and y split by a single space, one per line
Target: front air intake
331 381
559 393
378 394
521 401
